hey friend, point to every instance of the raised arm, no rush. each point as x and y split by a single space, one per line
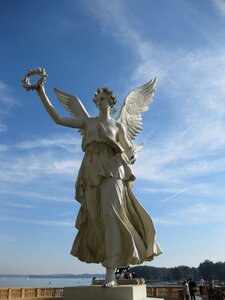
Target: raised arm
68 122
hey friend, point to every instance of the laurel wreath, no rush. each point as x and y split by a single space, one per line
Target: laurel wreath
26 81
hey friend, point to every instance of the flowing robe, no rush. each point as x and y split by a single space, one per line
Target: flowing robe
113 228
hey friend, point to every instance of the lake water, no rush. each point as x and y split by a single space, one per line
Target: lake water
43 282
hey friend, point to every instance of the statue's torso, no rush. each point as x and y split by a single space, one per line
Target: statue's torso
97 131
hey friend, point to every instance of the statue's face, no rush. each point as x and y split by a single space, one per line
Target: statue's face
102 101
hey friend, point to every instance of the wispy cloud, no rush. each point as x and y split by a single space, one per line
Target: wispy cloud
174 195
201 213
33 195
6 101
220 5
182 160
30 167
6 239
66 142
38 222
24 162
20 205
3 127
193 214
5 92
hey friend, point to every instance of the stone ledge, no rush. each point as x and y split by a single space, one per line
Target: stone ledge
134 281
95 292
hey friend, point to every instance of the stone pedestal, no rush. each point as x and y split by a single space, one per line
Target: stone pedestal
124 292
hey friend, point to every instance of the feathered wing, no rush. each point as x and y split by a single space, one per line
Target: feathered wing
134 105
72 104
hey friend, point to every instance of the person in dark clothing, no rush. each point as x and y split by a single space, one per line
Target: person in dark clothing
210 288
192 288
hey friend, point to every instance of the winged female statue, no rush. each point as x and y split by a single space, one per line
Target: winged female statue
113 228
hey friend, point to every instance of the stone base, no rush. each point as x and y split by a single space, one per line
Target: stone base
134 281
123 292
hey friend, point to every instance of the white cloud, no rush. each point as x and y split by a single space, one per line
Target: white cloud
193 214
194 145
20 205
5 92
220 5
24 162
33 195
192 83
30 167
201 213
66 141
6 102
3 147
3 127
174 195
37 222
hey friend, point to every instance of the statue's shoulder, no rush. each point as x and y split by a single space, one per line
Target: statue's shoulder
90 121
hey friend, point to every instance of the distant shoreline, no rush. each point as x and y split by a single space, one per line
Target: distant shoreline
51 276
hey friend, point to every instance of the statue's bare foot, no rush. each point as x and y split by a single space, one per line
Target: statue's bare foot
110 278
110 284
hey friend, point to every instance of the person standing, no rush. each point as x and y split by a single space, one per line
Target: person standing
186 291
201 284
192 288
210 288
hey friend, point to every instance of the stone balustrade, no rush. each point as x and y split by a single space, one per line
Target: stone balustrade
49 293
30 293
165 292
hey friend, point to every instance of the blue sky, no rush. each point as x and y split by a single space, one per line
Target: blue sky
120 44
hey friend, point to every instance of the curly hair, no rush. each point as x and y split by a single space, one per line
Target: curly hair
112 98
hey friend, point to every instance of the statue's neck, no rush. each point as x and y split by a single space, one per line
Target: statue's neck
104 115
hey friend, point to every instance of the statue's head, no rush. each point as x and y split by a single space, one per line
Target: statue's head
102 93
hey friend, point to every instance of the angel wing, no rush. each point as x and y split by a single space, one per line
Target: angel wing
72 104
136 102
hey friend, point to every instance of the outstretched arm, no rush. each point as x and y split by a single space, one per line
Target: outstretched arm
68 122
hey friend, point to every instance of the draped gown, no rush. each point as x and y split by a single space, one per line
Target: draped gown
113 228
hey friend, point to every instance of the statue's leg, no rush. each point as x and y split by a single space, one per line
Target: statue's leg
110 278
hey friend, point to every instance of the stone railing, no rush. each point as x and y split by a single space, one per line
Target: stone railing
171 292
49 293
28 293
166 292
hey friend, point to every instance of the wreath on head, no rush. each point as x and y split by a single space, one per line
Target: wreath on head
26 81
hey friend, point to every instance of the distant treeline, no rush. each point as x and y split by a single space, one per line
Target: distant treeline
205 269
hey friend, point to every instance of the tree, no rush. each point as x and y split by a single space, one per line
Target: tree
205 269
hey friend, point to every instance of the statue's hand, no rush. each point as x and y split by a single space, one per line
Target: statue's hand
133 158
39 84
133 154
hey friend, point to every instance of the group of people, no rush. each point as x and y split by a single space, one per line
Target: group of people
124 273
189 289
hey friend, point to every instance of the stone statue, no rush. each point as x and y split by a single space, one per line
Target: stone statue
113 228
